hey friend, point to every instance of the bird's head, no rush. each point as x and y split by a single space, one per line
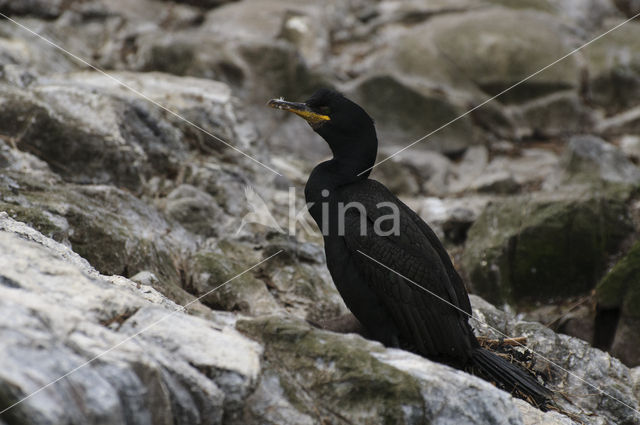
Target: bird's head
346 127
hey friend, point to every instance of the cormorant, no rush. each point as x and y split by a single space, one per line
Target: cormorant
371 239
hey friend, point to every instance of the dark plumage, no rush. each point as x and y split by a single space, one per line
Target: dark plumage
393 310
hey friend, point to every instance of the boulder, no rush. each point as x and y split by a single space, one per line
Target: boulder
133 355
618 297
628 7
195 209
497 48
541 247
556 115
614 69
325 377
92 130
591 159
588 376
128 354
115 231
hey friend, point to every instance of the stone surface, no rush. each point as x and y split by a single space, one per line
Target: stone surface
525 249
141 193
153 363
618 293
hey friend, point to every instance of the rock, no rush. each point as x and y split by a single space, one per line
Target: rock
625 123
588 15
498 48
590 377
470 168
115 143
204 3
40 8
558 114
529 167
630 145
629 7
406 111
500 182
614 69
523 249
221 182
431 169
361 382
247 294
155 362
196 210
399 178
450 217
115 231
619 291
589 158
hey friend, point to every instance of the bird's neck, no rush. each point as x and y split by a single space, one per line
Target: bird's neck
330 175
351 162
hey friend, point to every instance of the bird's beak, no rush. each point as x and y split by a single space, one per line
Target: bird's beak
299 109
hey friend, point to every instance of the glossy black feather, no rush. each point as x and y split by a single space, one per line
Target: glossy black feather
415 299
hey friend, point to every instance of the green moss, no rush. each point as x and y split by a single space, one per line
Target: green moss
33 216
621 286
245 293
525 250
335 372
541 5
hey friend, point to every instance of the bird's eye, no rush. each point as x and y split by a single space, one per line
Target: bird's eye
325 110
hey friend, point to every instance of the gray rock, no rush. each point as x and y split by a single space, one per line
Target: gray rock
555 115
523 249
152 362
614 70
406 110
40 8
498 47
625 123
629 7
88 137
379 385
589 158
618 294
588 376
196 210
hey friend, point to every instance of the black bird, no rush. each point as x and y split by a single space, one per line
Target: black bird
363 223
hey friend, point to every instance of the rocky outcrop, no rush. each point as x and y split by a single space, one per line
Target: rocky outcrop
131 355
534 194
618 315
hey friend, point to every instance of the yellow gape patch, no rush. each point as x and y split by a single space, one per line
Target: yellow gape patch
299 109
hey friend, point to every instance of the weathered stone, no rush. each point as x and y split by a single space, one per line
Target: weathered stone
405 112
614 69
196 210
620 290
591 159
537 248
155 363
555 115
592 379
625 123
41 8
245 293
346 378
497 48
117 142
629 7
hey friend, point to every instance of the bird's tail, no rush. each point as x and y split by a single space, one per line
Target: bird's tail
511 377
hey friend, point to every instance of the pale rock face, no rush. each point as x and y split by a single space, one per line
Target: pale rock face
116 209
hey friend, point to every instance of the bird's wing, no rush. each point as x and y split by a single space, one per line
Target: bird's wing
416 283
454 278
